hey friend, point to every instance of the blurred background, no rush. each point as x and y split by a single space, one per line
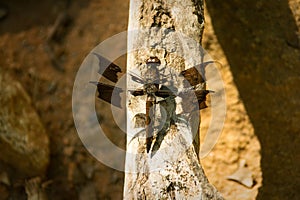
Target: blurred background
42 45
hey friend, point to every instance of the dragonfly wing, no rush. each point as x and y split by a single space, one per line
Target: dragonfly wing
136 78
189 96
195 75
137 92
201 97
165 92
111 70
109 93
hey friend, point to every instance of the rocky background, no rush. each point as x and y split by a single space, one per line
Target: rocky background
43 43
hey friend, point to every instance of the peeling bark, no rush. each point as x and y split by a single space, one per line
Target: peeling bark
172 31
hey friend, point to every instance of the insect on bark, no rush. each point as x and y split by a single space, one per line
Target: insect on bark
153 86
151 89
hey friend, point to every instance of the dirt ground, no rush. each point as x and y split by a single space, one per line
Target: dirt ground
258 45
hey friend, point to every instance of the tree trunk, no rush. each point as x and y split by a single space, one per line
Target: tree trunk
171 31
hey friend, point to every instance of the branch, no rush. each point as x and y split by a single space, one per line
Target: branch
171 31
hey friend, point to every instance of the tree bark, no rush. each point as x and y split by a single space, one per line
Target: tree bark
172 31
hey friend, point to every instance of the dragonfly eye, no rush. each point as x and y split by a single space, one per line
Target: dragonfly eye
153 60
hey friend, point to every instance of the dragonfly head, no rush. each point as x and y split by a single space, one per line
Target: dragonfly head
153 60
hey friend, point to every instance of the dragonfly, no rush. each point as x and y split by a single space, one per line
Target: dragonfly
153 82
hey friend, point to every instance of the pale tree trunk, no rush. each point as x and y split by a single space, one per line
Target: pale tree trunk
170 30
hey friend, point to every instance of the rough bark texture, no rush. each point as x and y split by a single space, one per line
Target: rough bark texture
172 31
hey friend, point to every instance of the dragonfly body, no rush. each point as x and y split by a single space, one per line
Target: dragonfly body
150 88
150 104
